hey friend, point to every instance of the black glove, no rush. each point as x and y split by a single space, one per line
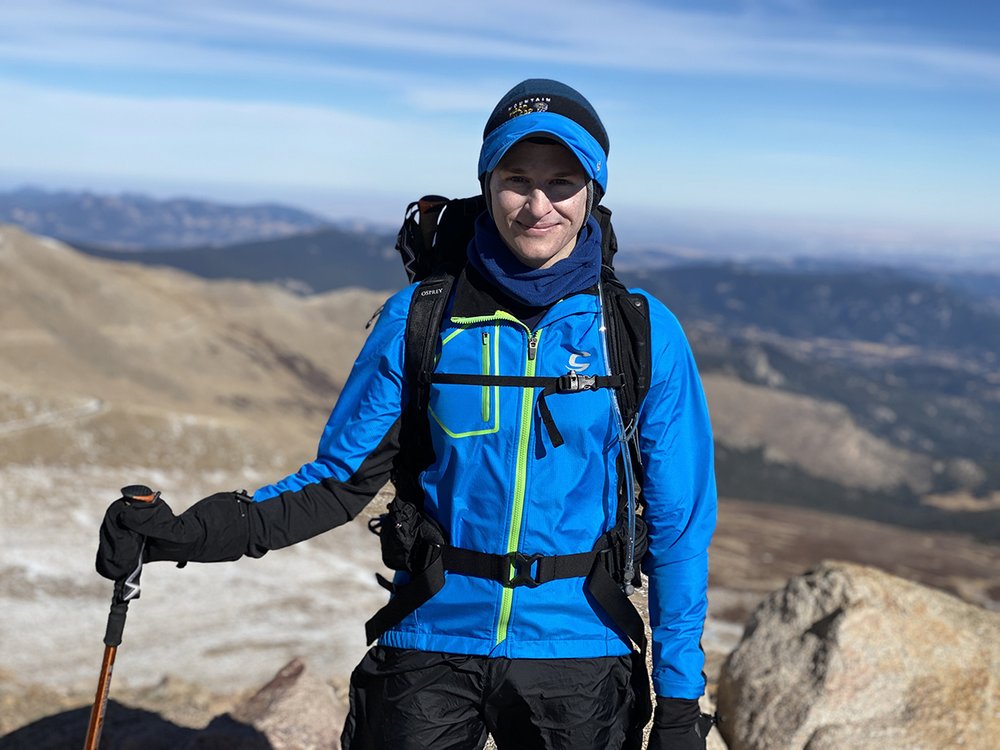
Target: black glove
215 529
679 724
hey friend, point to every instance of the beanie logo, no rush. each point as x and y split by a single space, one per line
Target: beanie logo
529 105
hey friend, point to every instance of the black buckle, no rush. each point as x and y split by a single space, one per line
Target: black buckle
574 381
518 570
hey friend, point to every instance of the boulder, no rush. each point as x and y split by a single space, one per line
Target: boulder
847 656
294 711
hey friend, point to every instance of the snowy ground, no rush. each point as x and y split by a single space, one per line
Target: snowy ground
227 626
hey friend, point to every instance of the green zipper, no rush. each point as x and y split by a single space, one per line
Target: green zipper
520 481
486 371
521 469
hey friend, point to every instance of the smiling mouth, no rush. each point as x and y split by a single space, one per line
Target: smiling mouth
539 228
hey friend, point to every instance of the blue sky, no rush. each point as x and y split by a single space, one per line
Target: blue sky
836 121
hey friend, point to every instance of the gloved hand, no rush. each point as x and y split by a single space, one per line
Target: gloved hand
215 529
679 724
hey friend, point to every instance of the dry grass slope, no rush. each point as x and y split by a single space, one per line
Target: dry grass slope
114 358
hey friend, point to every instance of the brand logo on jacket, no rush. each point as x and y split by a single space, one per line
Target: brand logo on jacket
575 364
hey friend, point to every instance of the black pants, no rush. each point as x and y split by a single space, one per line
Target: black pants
403 700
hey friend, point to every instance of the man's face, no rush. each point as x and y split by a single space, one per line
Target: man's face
539 201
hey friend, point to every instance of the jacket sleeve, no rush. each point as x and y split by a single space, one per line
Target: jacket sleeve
356 450
675 439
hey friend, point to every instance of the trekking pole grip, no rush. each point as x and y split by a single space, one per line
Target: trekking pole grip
127 588
116 623
139 493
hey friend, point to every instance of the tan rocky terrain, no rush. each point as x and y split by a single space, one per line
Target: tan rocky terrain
847 656
112 373
97 358
818 437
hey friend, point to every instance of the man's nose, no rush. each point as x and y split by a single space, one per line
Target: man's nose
538 202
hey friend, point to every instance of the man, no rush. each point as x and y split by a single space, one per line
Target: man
536 664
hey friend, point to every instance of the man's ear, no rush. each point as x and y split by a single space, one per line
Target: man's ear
485 185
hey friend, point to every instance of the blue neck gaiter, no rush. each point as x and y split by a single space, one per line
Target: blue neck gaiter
536 287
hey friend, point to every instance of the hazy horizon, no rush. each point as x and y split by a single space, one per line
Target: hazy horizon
696 235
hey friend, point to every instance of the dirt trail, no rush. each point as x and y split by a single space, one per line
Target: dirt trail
88 409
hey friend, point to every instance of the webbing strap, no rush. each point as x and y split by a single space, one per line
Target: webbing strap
571 382
623 613
512 570
618 606
422 586
516 568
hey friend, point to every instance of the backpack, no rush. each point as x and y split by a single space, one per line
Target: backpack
432 243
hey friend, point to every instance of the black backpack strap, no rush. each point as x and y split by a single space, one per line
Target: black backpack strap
405 599
628 331
510 570
626 317
608 594
609 242
423 326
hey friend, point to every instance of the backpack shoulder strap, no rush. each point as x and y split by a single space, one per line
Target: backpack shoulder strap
609 242
629 332
423 326
420 341
627 321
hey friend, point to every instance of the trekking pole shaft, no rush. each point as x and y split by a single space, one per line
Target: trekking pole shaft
112 639
96 723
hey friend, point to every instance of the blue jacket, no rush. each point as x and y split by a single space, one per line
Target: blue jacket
497 485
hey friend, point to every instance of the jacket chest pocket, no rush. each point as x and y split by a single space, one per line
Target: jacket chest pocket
463 411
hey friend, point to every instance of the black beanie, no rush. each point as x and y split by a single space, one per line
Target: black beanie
559 98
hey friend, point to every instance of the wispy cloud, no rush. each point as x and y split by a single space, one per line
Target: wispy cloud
319 39
197 140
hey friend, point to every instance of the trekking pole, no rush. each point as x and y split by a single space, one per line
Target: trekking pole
126 590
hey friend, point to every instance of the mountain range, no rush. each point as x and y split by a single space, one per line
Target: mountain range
137 222
308 263
915 362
